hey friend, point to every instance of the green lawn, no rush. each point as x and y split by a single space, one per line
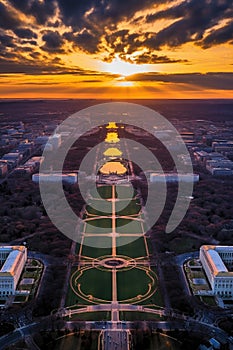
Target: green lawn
98 279
123 192
128 208
98 283
100 286
209 300
99 208
73 299
156 299
132 283
139 316
102 225
91 246
128 226
21 298
133 249
105 191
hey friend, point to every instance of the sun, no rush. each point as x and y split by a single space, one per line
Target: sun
124 83
117 66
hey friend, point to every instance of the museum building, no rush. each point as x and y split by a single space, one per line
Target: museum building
217 262
12 262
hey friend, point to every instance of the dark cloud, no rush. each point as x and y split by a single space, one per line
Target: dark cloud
194 18
38 65
124 44
31 42
91 81
220 81
26 49
42 11
91 18
219 36
55 24
87 41
123 41
8 19
151 58
35 54
191 20
72 11
95 26
25 33
86 13
24 66
6 54
7 40
53 42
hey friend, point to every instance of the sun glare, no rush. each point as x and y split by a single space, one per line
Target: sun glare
117 66
125 83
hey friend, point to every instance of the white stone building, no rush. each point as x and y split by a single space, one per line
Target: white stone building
12 262
70 178
217 262
173 177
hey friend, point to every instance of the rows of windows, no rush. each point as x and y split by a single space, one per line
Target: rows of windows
226 256
225 293
6 292
224 284
4 255
5 281
5 285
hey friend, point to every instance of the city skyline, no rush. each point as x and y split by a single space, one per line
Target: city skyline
121 266
90 49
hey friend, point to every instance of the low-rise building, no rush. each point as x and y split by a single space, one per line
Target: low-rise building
173 177
15 157
223 163
201 156
41 140
12 262
70 178
23 170
26 147
221 171
217 262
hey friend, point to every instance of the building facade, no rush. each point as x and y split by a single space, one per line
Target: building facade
12 262
70 178
173 177
217 262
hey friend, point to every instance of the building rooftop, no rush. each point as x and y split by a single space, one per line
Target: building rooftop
9 264
217 262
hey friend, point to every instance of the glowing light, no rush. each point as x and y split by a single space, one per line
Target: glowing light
112 137
117 66
113 168
113 152
111 125
125 83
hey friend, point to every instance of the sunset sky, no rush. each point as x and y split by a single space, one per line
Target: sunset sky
116 49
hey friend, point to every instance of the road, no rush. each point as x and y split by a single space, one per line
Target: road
115 340
185 323
180 260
